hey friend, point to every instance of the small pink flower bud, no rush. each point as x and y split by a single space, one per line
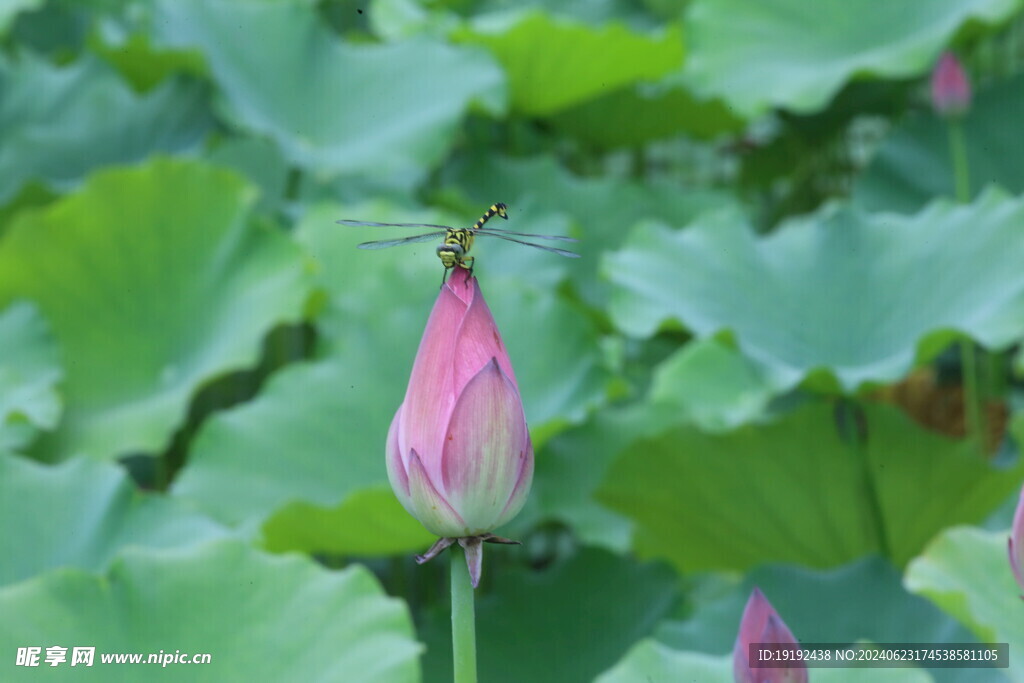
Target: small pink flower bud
951 91
459 456
1016 543
762 624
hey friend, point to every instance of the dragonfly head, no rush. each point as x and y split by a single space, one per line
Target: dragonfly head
450 254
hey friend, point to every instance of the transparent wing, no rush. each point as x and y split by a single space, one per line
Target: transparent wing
560 252
383 244
498 232
392 225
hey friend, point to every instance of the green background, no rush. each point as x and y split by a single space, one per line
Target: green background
788 357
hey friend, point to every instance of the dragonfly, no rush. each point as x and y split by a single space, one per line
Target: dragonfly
454 249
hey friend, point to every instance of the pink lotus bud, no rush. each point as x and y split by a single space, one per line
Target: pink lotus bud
762 624
459 456
1016 543
951 91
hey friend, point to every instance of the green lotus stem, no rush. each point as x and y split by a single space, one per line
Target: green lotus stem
857 438
972 399
958 154
463 620
968 364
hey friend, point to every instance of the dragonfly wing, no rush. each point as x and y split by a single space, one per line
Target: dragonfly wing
560 252
392 225
383 244
497 232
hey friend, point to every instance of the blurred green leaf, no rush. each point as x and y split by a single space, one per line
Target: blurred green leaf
715 387
315 435
602 208
794 491
553 63
60 123
29 372
33 194
260 161
649 660
331 416
368 522
9 9
142 64
847 293
571 467
400 19
966 572
645 112
793 55
332 106
594 12
80 514
224 599
154 282
913 164
618 601
553 347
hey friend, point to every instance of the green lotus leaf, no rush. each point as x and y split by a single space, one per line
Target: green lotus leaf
80 514
539 190
223 599
844 293
914 163
10 9
603 207
562 384
29 372
595 12
966 572
793 55
654 111
56 30
617 600
332 106
649 660
553 63
795 491
393 20
154 282
33 194
259 161
137 59
330 416
714 386
573 465
313 437
368 522
60 123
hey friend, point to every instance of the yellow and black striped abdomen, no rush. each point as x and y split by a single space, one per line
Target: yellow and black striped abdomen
498 209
